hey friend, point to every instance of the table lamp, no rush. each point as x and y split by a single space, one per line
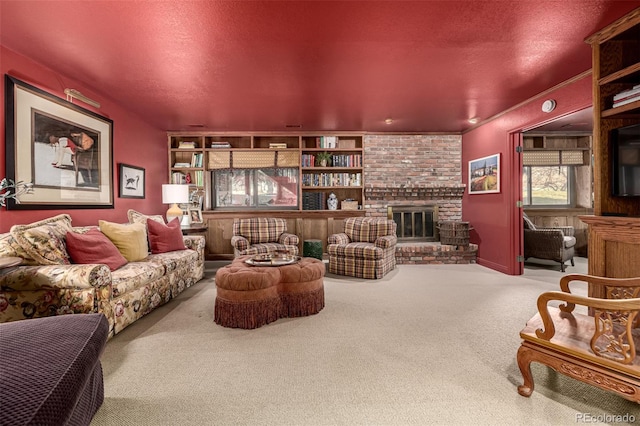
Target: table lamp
174 194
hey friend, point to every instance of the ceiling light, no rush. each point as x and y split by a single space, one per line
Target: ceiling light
473 120
73 93
548 105
388 120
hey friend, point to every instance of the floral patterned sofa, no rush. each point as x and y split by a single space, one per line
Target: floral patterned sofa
49 282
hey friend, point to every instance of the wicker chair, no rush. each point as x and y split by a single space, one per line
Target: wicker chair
556 243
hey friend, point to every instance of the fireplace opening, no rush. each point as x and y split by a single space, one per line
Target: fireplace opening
415 223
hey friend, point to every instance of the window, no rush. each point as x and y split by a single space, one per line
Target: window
256 188
547 185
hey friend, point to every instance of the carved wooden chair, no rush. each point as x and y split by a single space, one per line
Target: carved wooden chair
600 349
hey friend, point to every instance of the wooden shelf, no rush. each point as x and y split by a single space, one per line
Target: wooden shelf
302 144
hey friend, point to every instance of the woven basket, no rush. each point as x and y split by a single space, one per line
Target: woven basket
219 160
454 233
253 159
288 158
348 205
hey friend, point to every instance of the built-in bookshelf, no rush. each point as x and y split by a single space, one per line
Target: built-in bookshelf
194 157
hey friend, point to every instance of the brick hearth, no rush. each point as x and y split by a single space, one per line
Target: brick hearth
417 253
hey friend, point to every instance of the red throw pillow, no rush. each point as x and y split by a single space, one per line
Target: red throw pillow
93 247
164 238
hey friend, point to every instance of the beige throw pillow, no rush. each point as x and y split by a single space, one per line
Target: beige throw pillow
44 241
131 239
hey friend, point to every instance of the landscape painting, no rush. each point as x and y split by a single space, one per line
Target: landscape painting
484 175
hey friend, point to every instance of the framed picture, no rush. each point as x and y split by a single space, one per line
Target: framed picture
484 175
196 216
64 150
131 180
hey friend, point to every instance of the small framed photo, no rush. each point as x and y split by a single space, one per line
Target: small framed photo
484 175
196 216
131 181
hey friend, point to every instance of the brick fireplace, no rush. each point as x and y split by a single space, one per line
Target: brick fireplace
417 173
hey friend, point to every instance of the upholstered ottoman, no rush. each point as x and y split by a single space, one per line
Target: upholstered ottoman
246 296
252 296
50 371
301 288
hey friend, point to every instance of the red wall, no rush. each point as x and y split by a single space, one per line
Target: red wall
494 216
134 142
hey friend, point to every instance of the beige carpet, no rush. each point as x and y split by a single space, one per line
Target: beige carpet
427 344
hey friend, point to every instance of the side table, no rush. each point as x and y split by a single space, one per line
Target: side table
194 229
312 248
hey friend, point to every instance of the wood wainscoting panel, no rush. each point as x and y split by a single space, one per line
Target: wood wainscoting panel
614 248
311 224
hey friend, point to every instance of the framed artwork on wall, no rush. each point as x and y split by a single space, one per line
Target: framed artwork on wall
65 151
484 175
131 180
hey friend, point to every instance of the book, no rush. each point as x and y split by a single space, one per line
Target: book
220 144
626 93
178 165
186 145
277 145
626 101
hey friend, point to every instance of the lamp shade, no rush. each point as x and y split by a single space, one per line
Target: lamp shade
175 193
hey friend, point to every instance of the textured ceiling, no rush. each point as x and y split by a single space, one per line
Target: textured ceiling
332 65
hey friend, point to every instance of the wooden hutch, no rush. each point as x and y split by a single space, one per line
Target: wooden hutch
614 228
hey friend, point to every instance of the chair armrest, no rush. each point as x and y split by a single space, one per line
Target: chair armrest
386 241
567 231
239 243
195 242
28 278
614 320
622 288
288 239
340 238
38 291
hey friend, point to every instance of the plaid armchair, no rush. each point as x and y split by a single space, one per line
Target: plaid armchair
557 243
260 235
366 248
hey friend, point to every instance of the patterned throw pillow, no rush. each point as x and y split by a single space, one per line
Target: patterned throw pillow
131 239
137 217
44 241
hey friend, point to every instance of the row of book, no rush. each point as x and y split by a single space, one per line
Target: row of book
341 160
627 96
186 178
313 200
331 179
334 142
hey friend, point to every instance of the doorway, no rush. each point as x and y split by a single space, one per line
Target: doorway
556 184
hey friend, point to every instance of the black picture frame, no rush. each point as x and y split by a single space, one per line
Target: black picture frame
64 150
131 181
